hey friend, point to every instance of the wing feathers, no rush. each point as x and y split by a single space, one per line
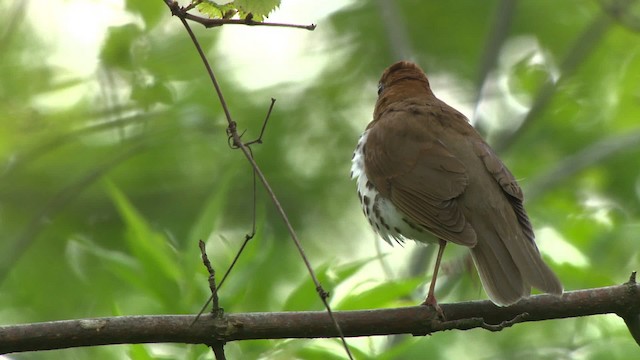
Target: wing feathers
420 176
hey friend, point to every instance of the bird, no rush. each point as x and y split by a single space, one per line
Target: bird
424 173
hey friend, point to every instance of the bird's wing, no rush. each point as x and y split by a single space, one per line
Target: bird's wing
522 249
420 176
508 183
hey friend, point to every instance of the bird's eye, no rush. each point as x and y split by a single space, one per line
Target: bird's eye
380 88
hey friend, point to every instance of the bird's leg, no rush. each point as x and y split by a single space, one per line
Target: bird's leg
431 298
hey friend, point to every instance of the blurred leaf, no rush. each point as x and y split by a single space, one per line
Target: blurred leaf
116 51
213 209
343 272
149 247
140 352
304 295
81 251
381 295
151 94
527 77
329 277
337 353
150 12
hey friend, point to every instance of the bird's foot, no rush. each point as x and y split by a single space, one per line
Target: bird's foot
433 303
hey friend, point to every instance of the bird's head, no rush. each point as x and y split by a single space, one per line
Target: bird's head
400 81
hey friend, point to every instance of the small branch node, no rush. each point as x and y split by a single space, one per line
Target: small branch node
632 279
323 294
176 10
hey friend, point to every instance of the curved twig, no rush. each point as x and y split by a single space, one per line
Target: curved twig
237 142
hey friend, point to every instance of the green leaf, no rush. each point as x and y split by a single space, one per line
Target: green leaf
151 248
213 207
382 295
260 9
216 11
305 294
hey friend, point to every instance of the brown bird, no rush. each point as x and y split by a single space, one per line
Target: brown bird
422 168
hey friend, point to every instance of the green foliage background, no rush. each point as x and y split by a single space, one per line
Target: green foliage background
102 201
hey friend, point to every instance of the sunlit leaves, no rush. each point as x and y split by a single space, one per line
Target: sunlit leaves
260 9
216 11
256 10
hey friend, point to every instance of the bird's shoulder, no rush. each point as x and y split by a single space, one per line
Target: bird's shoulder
407 144
408 161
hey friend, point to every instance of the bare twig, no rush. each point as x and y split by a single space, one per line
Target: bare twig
212 278
235 259
218 351
258 140
213 297
215 310
237 141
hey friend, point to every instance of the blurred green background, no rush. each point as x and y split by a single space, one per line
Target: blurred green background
115 162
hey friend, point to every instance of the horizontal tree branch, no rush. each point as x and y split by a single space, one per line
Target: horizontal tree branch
623 300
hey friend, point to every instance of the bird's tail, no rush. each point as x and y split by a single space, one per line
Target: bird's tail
508 269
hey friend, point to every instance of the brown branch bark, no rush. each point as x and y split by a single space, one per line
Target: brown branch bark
623 300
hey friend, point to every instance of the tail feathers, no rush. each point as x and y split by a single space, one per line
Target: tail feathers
533 269
499 275
508 271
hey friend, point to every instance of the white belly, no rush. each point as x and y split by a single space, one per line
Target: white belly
383 216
